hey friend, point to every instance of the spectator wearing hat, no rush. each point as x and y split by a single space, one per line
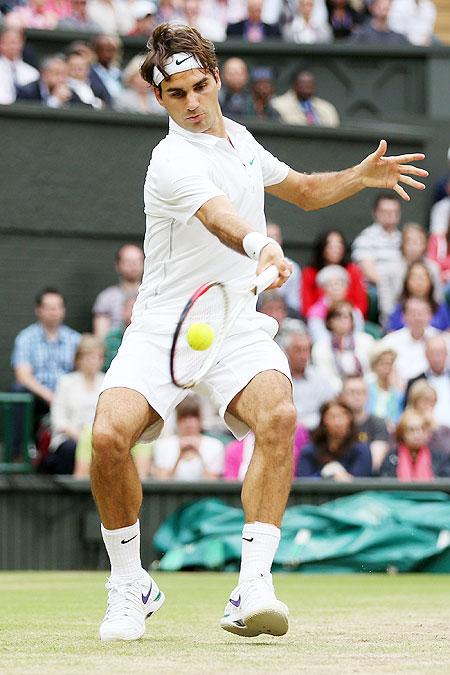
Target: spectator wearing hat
262 92
307 27
333 280
137 95
78 19
385 396
253 28
144 15
299 105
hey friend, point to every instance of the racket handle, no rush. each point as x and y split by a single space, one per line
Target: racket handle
266 278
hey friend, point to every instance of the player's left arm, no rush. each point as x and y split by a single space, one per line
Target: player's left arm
315 191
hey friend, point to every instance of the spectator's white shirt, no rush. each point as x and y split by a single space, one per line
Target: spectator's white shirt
114 17
311 33
73 405
440 216
167 450
411 359
11 73
441 385
186 170
414 19
377 244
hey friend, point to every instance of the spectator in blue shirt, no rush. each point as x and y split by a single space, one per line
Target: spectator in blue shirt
334 451
45 350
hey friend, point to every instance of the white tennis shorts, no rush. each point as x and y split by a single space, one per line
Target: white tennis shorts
143 364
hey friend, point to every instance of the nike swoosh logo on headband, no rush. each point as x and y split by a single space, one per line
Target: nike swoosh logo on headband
182 61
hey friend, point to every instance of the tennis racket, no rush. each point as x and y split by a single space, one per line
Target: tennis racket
210 304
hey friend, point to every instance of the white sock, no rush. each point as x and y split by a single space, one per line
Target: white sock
259 544
124 551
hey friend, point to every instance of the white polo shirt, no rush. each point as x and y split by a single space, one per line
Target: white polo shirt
185 171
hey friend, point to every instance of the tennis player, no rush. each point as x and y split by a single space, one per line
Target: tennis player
204 205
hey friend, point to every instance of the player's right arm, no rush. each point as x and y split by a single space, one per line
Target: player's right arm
219 216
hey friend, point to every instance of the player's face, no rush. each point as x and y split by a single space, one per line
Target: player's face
192 100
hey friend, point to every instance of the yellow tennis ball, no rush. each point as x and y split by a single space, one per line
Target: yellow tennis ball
200 336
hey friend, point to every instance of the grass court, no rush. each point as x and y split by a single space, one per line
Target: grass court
339 624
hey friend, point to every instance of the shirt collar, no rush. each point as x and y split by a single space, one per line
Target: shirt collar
43 334
233 128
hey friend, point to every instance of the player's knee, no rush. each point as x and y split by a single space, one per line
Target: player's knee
279 420
108 443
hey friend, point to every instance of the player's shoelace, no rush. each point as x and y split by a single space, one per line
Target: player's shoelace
253 590
123 600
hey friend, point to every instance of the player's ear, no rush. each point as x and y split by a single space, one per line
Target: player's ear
217 78
157 92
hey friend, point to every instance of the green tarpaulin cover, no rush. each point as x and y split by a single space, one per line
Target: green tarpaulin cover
367 532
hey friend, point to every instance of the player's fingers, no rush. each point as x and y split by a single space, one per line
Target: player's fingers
406 159
381 150
401 192
412 183
414 170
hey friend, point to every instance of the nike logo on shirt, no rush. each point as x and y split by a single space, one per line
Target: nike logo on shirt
125 541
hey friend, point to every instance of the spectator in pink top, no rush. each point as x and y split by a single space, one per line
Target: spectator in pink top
439 251
239 453
36 14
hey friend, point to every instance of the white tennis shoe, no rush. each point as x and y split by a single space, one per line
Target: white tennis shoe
254 609
129 604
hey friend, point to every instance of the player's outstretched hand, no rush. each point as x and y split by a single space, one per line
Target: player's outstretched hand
272 254
379 171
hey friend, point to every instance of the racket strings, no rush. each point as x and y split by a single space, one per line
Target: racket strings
209 308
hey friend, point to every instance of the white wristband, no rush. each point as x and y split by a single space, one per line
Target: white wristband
254 242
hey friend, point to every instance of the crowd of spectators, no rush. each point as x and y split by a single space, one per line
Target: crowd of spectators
371 385
94 73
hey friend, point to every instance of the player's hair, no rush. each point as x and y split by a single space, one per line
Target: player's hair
167 40
48 290
385 195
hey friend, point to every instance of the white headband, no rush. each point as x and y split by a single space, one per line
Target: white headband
177 63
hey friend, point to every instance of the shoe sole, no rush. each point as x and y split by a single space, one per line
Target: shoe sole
268 621
155 606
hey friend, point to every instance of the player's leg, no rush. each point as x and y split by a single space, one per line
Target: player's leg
266 407
122 416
